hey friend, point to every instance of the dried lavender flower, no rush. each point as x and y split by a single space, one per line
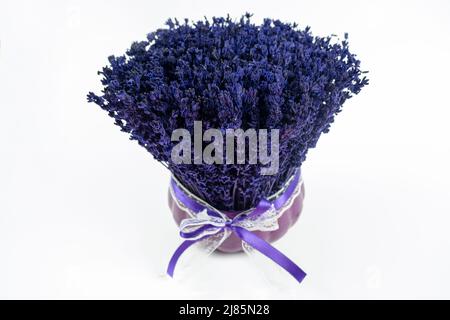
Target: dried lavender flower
230 75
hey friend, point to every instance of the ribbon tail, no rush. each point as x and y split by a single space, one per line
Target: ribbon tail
176 255
217 239
270 252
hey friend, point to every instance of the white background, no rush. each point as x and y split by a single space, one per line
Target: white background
83 210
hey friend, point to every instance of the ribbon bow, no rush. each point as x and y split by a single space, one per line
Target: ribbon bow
208 223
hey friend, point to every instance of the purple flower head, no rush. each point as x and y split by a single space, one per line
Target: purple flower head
230 74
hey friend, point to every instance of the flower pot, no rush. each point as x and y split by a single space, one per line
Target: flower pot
287 219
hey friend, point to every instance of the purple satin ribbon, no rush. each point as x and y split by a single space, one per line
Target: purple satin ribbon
245 235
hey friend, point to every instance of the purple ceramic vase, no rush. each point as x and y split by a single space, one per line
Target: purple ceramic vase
233 243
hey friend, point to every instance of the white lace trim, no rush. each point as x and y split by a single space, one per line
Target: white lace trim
268 221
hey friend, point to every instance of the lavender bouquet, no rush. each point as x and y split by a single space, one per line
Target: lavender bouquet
225 76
